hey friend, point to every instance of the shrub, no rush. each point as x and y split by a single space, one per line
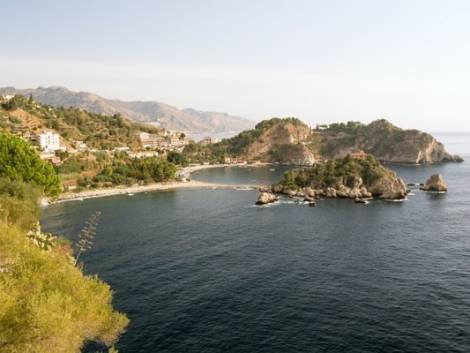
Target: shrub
46 304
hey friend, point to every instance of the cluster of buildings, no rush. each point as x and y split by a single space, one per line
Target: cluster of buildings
49 142
167 141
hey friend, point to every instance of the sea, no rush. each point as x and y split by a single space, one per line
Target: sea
208 271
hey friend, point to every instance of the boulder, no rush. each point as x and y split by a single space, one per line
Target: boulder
355 193
289 192
277 188
343 191
330 192
365 193
265 198
309 198
390 188
309 192
353 181
435 183
320 192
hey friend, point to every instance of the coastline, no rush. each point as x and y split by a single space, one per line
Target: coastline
171 185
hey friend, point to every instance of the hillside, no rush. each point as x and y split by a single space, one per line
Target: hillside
290 141
25 117
160 114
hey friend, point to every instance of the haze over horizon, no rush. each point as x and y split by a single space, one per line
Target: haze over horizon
321 62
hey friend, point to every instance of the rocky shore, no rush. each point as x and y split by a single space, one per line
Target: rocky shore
352 188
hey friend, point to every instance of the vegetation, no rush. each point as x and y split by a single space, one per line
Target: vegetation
46 303
20 162
125 170
176 158
334 171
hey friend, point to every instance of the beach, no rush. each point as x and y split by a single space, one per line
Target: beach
184 173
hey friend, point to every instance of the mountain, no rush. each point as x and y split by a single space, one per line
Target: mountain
290 141
160 114
27 118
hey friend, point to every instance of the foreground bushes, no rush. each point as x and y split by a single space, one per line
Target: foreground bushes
46 303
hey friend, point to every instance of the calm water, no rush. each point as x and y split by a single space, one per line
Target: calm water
206 271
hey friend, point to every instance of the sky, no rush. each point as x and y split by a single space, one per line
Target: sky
320 61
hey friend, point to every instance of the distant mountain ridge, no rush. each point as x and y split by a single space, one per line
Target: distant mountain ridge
188 120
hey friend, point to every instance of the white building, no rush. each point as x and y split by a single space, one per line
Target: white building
49 141
7 97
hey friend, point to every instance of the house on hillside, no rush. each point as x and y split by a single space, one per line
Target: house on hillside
81 146
358 154
208 141
49 142
7 97
167 142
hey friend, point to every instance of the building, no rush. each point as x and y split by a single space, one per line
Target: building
358 155
152 141
7 97
167 142
49 142
143 154
208 141
81 146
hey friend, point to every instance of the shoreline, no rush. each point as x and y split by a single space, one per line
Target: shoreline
171 185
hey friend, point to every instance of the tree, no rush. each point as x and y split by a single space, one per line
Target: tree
176 158
20 162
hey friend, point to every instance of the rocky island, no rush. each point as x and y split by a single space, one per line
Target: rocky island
350 178
435 183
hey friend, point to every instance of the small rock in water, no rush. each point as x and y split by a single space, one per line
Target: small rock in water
358 200
265 198
435 183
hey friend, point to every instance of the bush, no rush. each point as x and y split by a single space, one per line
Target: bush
46 304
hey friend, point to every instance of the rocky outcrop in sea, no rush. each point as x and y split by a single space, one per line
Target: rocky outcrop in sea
435 183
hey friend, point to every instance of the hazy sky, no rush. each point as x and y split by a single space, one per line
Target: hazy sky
321 61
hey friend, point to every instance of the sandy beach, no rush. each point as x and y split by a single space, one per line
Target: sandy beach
122 190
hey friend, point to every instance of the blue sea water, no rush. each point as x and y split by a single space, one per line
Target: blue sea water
207 271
